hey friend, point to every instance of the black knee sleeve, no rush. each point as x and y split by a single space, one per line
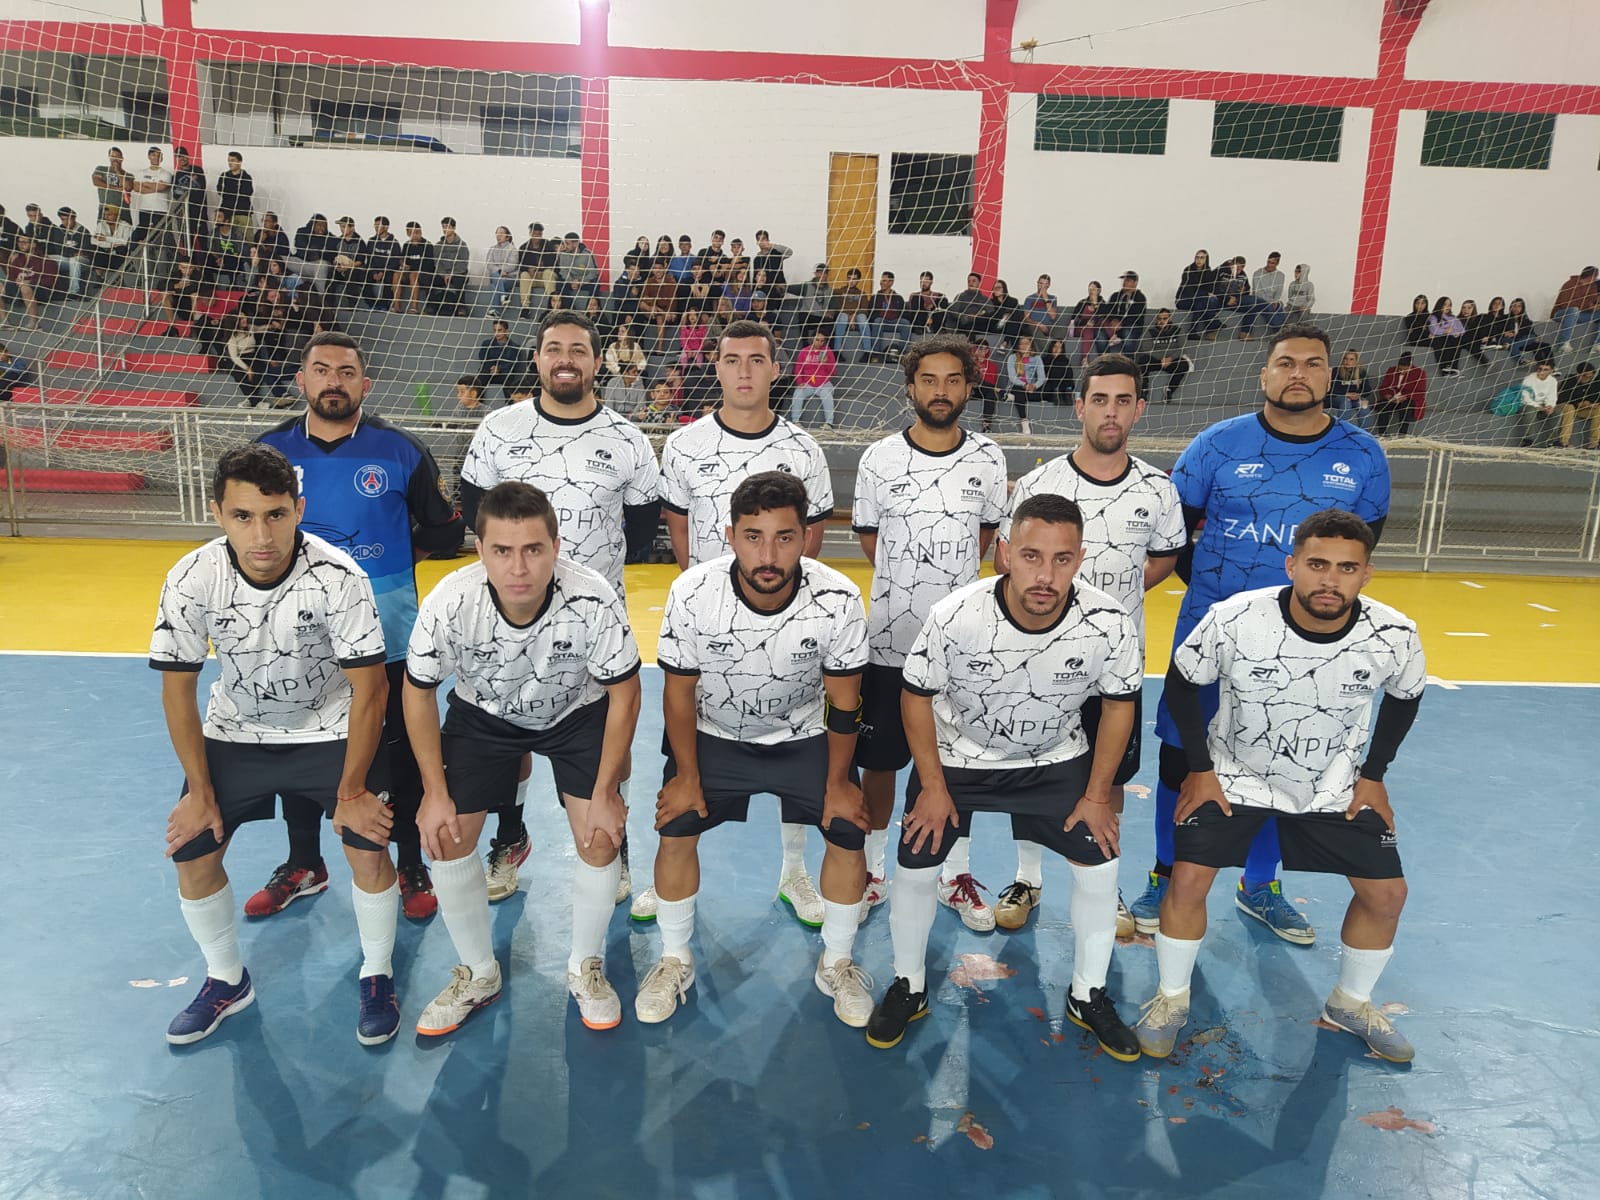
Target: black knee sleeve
1173 766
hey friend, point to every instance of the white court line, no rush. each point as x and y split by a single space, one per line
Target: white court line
74 654
1463 633
1470 584
1542 607
1447 685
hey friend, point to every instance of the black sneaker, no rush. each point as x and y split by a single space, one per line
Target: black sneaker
1099 1016
898 1008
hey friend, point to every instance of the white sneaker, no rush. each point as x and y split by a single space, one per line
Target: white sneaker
961 894
460 999
850 987
1125 924
624 883
597 999
643 907
669 982
504 859
877 892
799 893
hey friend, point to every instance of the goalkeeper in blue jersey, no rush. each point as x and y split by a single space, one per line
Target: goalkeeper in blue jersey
374 491
1251 480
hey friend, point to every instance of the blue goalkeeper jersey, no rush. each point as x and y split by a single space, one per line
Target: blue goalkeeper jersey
365 494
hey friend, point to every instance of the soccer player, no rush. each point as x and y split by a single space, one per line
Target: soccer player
701 465
994 685
1297 668
927 503
600 474
1132 534
373 490
544 663
763 651
297 711
1252 479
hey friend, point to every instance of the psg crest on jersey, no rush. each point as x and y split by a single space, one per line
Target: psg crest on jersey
372 480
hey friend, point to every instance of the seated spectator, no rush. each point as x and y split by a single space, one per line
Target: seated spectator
182 290
536 267
269 244
33 276
1350 390
719 321
691 339
74 247
679 267
987 389
1471 322
1521 341
576 271
1108 337
1197 295
469 392
1302 297
257 356
1004 314
309 314
1486 330
1127 305
697 290
926 307
768 262
605 319
640 256
1039 313
887 312
661 409
500 260
699 386
1086 316
1163 353
663 252
413 270
314 249
738 289
525 386
1577 307
44 232
1539 396
813 376
624 352
1402 398
15 372
625 393
1445 334
760 314
500 358
112 234
1060 383
1233 293
1024 377
658 301
348 280
969 311
816 300
274 275
452 265
1266 297
1578 396
852 314
385 260
1415 322
224 259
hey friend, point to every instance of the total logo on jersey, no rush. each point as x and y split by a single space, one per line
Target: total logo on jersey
1073 670
975 489
1341 478
1138 525
372 480
601 460
1360 684
307 621
807 651
561 651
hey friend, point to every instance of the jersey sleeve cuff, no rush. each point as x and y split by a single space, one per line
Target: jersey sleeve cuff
366 660
1130 697
835 672
164 664
1172 553
864 529
670 507
824 515
613 680
670 669
417 681
925 693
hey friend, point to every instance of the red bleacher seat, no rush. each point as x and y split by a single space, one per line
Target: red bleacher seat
80 360
123 295
164 362
127 441
110 326
49 479
113 397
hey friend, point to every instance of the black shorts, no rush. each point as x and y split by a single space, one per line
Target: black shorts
1129 766
483 753
731 772
1322 842
247 778
882 744
1038 800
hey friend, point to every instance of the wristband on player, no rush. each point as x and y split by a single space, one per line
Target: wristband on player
842 720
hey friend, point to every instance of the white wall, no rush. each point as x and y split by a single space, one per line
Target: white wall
479 20
1534 41
889 28
1309 37
89 11
1077 217
687 157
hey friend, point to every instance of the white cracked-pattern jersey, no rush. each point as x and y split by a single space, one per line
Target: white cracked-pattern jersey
1296 707
761 674
703 463
531 675
1125 521
590 467
927 509
282 648
1004 696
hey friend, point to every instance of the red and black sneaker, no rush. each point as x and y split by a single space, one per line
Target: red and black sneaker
288 884
417 900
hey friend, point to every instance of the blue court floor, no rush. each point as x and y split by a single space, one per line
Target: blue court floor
754 1089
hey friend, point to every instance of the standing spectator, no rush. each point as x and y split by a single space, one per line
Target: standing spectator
658 300
1415 322
576 271
1445 335
1004 317
1197 294
153 186
314 249
816 301
189 200
416 266
969 311
385 261
889 325
1164 353
1086 317
851 314
1350 390
926 307
536 258
1539 396
1127 305
112 184
1577 304
1024 377
769 258
349 264
73 246
501 359
1521 341
15 372
112 234
447 288
1302 298
1040 313
1402 397
500 260
236 196
813 376
1266 296
1060 382
1578 396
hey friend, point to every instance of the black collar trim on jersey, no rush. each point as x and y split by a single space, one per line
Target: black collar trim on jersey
294 559
738 590
1005 611
1299 439
547 415
751 437
330 447
934 453
549 596
1311 635
1097 482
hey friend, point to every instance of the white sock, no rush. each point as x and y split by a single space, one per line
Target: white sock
1093 913
594 899
959 861
1175 960
376 916
1030 864
463 895
794 848
839 925
675 920
1359 970
913 903
877 845
215 930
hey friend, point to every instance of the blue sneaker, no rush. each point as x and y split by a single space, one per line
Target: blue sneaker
1267 905
1146 909
380 1011
216 1002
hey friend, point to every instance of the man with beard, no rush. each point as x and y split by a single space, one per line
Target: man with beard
600 473
928 501
762 651
1297 668
994 686
374 491
1133 533
1252 479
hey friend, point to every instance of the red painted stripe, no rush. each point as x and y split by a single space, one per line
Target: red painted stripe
44 479
594 176
183 83
989 164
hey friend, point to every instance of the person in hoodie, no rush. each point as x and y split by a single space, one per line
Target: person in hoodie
1163 352
1301 297
315 248
447 289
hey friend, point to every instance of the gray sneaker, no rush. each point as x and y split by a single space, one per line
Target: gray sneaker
1160 1022
1367 1023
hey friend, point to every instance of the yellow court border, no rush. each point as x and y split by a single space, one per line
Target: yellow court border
93 595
